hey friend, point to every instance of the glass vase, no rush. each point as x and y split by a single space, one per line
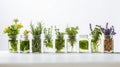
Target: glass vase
24 44
72 44
96 46
13 44
83 43
108 43
60 45
36 44
48 46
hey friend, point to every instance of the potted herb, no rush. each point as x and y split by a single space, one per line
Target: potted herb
48 41
24 42
72 40
83 43
59 41
96 39
108 32
36 34
12 31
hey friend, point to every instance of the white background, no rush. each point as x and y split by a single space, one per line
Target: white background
60 13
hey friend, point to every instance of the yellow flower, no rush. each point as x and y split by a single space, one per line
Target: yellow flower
26 32
16 20
6 30
19 25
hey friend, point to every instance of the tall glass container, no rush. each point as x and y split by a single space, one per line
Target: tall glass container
36 44
13 44
24 44
108 43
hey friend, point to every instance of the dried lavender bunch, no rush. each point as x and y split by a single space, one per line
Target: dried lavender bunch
107 30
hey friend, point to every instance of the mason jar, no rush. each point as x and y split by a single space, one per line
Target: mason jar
36 43
108 43
60 45
24 44
83 43
72 44
13 43
96 46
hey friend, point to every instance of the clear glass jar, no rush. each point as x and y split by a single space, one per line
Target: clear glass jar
83 43
24 44
60 44
36 43
96 46
48 46
13 43
72 44
108 43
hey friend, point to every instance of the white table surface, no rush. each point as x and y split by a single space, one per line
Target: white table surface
59 60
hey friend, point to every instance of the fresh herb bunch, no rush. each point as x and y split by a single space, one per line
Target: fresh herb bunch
12 31
48 37
36 32
59 42
107 30
96 33
72 32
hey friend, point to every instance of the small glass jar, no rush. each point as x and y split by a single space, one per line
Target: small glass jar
24 44
83 43
96 46
108 43
60 44
72 44
48 46
36 43
13 43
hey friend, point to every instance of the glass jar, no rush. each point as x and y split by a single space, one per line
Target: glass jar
13 44
48 46
96 45
24 44
72 44
36 44
60 44
108 43
83 43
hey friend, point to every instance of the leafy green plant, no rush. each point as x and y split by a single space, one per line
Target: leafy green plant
96 33
59 42
24 45
36 41
83 44
48 37
72 32
12 31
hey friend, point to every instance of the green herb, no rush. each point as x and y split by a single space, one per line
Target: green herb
72 32
36 41
48 37
96 33
83 44
59 42
24 45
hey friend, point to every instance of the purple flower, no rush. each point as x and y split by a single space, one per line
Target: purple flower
107 31
90 27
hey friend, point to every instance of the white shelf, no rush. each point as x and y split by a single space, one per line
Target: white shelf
59 60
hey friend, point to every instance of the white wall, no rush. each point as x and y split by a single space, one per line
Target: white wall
60 13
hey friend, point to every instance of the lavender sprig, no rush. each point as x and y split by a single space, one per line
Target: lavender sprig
90 27
107 30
